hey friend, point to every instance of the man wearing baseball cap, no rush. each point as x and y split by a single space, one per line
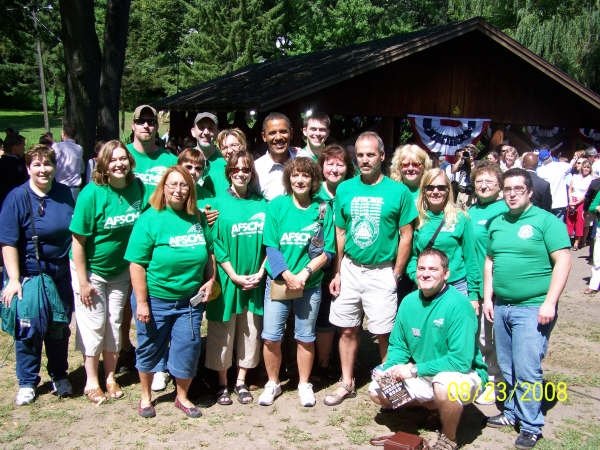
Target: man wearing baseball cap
151 160
204 131
555 172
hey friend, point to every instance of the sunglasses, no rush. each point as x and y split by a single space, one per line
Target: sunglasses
433 187
191 167
416 165
142 121
245 170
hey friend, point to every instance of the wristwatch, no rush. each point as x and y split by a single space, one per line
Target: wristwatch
309 270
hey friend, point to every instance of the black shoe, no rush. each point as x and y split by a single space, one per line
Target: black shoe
526 440
126 361
499 421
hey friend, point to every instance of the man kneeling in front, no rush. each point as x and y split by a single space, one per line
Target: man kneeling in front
433 349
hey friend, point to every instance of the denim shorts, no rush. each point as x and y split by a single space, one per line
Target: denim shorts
305 310
173 329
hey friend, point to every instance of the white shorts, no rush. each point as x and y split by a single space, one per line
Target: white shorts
99 326
369 290
462 387
243 332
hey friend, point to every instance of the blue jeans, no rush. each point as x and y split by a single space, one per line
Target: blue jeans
173 329
28 354
521 344
305 310
161 366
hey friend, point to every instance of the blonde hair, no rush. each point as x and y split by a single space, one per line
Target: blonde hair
411 151
451 211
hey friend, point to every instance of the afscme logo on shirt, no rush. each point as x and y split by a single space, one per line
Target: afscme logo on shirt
254 226
152 176
187 240
119 221
295 238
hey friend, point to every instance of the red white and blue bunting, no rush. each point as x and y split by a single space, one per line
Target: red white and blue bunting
546 136
446 135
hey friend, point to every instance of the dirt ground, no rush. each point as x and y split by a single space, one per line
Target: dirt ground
75 423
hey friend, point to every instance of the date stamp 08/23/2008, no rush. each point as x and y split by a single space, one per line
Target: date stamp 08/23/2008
523 391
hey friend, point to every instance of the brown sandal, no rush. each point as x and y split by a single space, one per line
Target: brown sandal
114 391
95 395
589 291
342 392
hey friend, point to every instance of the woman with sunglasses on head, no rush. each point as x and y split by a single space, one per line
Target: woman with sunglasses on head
104 216
235 318
444 226
409 163
35 236
172 273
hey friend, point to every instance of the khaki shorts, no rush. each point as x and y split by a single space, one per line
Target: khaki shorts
371 290
462 387
241 331
99 326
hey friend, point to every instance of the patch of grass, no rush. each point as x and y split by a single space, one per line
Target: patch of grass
9 434
586 436
294 434
594 336
335 419
357 436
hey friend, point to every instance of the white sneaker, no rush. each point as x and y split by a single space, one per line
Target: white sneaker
159 382
306 394
488 396
271 392
25 396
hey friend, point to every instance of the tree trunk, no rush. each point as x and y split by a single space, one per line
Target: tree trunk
113 61
82 61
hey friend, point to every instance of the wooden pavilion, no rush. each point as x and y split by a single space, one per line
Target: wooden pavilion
465 69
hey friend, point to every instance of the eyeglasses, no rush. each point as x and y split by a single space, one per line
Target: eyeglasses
416 165
42 208
486 182
433 187
231 147
174 186
245 170
142 121
518 190
191 167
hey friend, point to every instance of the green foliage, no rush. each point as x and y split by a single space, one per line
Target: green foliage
564 32
219 37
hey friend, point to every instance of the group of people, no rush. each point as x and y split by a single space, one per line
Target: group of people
307 233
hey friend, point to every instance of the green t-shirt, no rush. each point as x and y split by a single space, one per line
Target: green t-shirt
481 217
414 192
173 247
216 173
439 335
105 216
595 203
237 236
457 242
323 195
289 229
150 167
372 216
520 248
